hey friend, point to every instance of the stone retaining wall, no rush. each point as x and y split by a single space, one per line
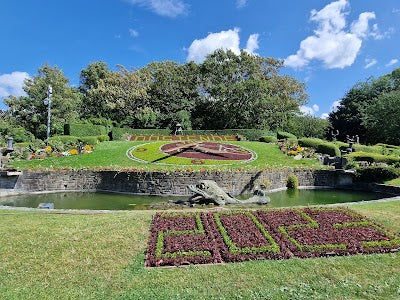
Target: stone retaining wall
158 183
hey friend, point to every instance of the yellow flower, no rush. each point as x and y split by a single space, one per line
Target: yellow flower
48 149
73 152
88 148
292 152
299 149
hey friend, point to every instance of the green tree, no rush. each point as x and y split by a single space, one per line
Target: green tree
245 91
173 92
119 95
307 126
31 113
348 116
382 119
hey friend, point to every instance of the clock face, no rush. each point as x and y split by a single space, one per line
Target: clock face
191 153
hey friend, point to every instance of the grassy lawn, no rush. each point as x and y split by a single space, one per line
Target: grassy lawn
395 182
97 256
112 155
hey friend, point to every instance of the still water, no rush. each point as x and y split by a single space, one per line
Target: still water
111 201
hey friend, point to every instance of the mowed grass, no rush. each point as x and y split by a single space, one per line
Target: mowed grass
101 256
112 155
395 182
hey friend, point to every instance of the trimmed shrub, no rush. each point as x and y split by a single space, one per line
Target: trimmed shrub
22 145
103 138
342 145
88 140
78 129
292 182
285 135
268 139
320 146
65 139
376 174
373 157
368 149
119 133
249 134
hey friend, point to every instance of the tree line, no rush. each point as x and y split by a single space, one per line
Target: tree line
225 91
371 110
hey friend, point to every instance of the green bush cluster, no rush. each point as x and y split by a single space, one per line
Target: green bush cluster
292 182
268 139
320 146
376 174
78 129
373 157
73 140
285 135
249 134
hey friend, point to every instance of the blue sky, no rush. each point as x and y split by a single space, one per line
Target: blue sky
329 45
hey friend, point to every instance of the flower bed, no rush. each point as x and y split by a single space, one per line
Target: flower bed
215 237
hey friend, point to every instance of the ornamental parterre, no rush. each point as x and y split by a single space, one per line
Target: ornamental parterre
229 236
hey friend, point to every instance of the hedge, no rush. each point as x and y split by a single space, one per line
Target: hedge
65 139
70 140
285 135
373 157
369 149
77 129
320 146
268 139
249 134
376 174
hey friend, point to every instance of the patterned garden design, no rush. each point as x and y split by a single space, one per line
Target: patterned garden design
229 236
191 153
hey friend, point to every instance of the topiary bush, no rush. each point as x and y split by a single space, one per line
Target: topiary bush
320 146
249 134
373 157
103 138
268 139
376 174
292 182
78 129
88 140
285 135
65 139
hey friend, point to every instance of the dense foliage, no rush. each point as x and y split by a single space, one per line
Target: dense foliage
371 110
225 91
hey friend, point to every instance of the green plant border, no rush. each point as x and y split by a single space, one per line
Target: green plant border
188 161
233 248
162 234
395 240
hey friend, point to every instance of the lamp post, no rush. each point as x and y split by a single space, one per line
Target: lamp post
48 103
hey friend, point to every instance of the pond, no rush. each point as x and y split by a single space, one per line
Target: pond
112 201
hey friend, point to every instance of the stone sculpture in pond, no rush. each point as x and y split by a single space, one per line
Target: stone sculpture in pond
208 192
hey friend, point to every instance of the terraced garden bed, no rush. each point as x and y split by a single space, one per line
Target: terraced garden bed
229 236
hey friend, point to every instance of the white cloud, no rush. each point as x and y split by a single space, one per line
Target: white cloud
241 3
133 32
332 43
324 116
361 26
11 84
334 108
167 8
307 110
392 62
369 62
227 40
335 105
252 43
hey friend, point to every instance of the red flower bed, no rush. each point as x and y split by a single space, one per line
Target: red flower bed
194 238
